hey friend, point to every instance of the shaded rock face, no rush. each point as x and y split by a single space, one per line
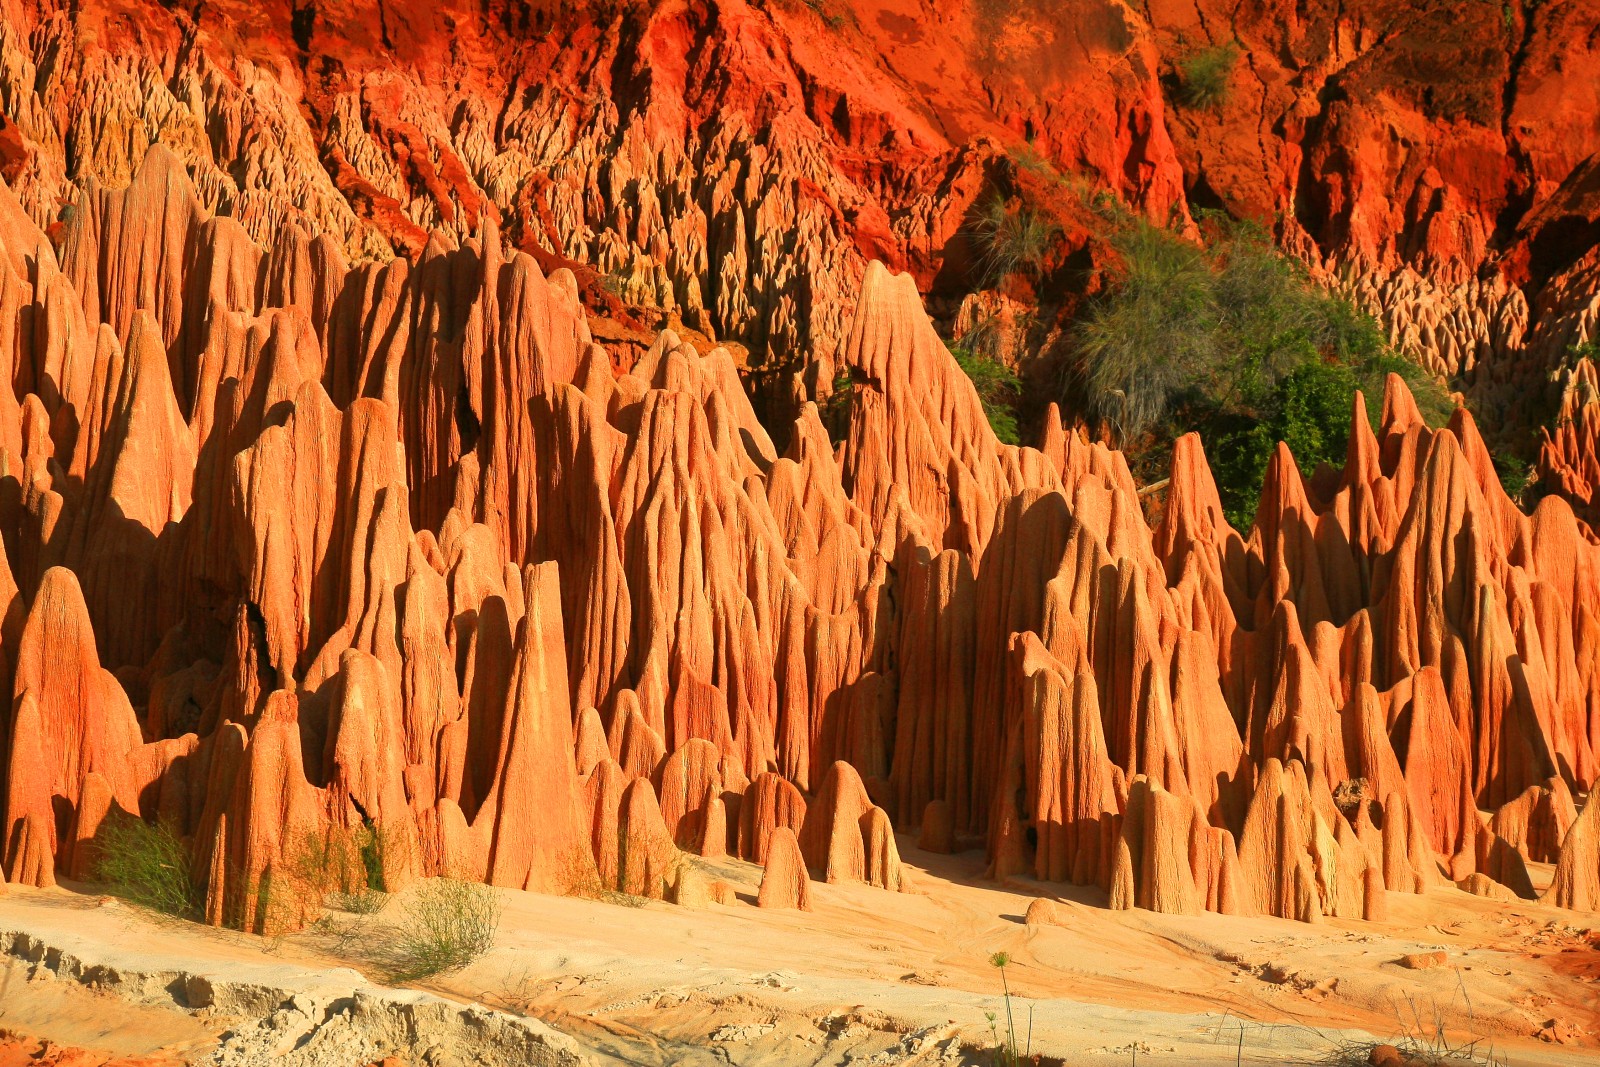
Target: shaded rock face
737 165
297 550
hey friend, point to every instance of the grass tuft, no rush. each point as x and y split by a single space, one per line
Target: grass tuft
1421 1042
146 865
1205 76
445 926
1414 1051
1011 241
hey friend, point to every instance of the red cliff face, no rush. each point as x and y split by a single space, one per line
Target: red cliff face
731 167
299 547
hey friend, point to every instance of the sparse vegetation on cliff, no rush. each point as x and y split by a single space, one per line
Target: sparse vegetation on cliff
1205 76
1011 240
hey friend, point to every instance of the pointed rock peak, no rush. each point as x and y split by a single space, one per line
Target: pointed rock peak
21 240
1447 490
592 748
1193 515
29 845
1286 630
785 883
1283 487
594 377
59 624
1362 461
537 763
155 459
1400 412
1053 438
146 354
810 437
646 853
891 340
652 364
161 167
1576 882
1479 462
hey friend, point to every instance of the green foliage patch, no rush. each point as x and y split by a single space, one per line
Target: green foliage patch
998 388
1205 76
146 864
1235 340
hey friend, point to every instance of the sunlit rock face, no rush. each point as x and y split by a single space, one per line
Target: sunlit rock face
737 165
338 495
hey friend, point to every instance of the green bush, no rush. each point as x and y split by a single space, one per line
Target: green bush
1309 411
1235 340
146 865
836 408
1011 241
1204 76
1154 337
371 895
446 925
997 386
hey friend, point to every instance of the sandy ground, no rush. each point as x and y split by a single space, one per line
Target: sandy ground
874 978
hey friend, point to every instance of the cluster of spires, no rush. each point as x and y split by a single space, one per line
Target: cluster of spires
296 549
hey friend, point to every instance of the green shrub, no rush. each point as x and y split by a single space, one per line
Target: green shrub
997 386
1204 76
1235 340
1008 1051
1309 411
1154 337
146 865
446 925
1011 241
836 408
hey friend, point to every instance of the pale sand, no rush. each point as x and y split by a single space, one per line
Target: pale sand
872 977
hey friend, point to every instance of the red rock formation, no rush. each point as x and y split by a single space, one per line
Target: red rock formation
1577 877
784 882
734 166
296 550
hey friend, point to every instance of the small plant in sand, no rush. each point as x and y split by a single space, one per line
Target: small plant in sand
146 865
446 925
1420 1041
1006 1054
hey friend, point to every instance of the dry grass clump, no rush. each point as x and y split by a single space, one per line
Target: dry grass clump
1421 1042
146 864
447 924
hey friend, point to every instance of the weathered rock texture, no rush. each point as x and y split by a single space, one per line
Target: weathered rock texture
735 164
296 551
